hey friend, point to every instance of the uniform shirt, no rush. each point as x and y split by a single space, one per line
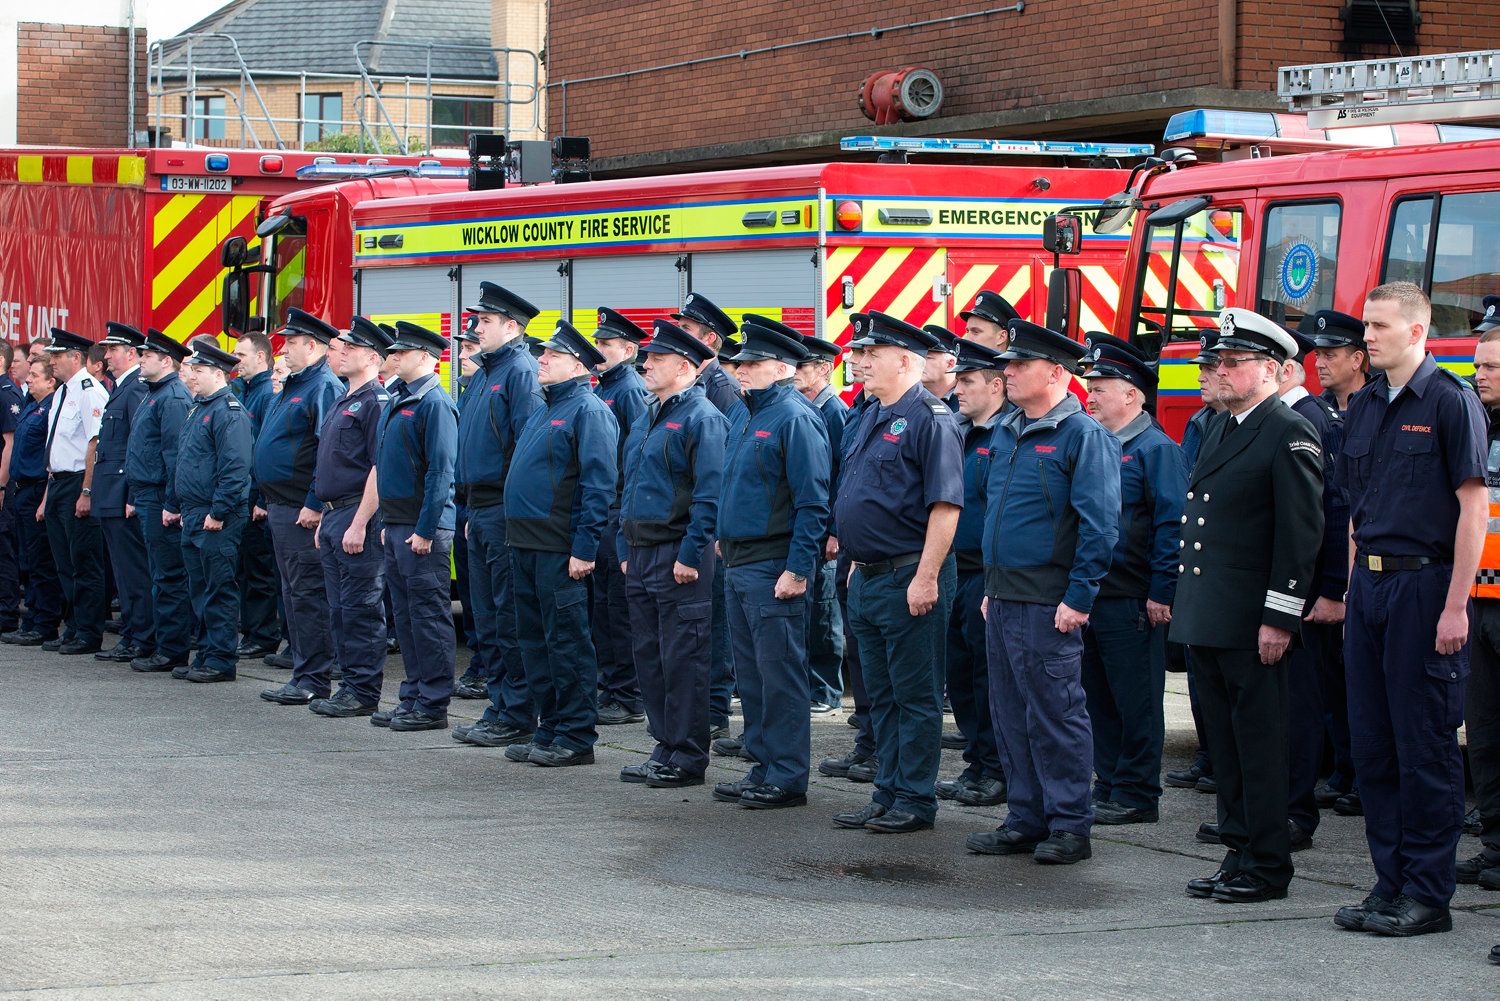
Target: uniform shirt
414 464
623 391
1332 572
256 393
562 482
722 390
152 455
74 422
1403 460
213 460
1192 434
674 467
836 417
1053 507
28 453
110 487
1153 484
347 443
968 538
12 398
503 395
286 451
774 501
899 461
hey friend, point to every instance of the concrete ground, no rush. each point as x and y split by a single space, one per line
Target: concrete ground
167 840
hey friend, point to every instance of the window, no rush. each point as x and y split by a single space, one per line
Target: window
453 118
321 114
208 117
1198 259
1298 260
1458 268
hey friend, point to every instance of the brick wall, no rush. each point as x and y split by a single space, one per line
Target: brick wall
72 84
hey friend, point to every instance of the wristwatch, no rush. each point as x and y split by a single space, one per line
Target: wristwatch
798 577
87 492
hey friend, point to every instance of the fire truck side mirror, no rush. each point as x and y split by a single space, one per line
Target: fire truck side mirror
233 253
1064 288
1063 234
234 307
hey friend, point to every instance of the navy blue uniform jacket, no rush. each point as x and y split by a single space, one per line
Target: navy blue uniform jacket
674 467
111 490
287 449
213 459
154 436
501 397
414 466
1153 483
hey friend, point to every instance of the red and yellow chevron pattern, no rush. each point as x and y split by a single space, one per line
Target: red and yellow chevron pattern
187 231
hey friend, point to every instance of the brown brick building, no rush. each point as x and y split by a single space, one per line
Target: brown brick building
1081 69
72 85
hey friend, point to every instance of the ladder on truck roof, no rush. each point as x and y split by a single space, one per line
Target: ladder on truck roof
1403 89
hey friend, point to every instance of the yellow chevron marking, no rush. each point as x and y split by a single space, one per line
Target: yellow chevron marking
191 319
200 247
969 284
169 215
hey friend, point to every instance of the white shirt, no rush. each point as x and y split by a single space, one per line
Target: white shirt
1294 395
76 417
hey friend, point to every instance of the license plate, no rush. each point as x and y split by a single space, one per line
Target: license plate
178 183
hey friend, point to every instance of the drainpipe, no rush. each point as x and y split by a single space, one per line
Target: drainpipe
130 80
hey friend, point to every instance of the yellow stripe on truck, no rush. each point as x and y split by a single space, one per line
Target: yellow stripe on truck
29 169
205 243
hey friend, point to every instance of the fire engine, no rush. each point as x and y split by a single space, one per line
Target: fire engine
91 235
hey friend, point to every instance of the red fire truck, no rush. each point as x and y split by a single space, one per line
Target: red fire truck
90 235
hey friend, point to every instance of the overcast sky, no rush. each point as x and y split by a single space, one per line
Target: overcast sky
165 18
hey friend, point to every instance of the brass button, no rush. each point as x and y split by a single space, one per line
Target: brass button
1196 572
1200 521
1181 543
1181 568
1190 495
1197 545
1205 498
1184 519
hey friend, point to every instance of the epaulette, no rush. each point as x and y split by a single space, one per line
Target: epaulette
382 396
234 404
1458 379
87 383
939 407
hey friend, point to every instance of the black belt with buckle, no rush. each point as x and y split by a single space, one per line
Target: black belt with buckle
342 502
886 566
1386 564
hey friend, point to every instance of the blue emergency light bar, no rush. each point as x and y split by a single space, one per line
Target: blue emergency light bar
347 171
992 147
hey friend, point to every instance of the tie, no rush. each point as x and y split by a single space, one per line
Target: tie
62 394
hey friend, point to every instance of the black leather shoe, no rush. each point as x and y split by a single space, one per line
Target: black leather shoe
638 774
717 731
1111 813
1349 805
1489 879
1408 917
1247 888
954 741
1207 784
203 676
254 651
24 637
520 752
561 757
1326 795
615 714
1354 916
823 709
897 822
471 688
281 661
1063 848
839 767
343 704
74 648
863 772
383 717
729 747
730 792
672 777
1473 820
857 819
181 671
158 662
492 734
1468 870
418 719
1300 840
1004 841
1186 778
122 653
769 797
1495 955
289 695
54 644
985 792
1208 833
948 788
1204 887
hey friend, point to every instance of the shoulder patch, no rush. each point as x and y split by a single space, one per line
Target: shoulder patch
86 384
939 407
1305 446
234 404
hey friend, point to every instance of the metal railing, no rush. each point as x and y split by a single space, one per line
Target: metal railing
516 97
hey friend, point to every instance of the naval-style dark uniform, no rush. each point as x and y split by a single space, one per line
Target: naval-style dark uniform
149 465
825 623
28 481
12 398
260 594
123 537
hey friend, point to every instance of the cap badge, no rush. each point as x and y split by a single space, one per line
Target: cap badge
1322 323
689 300
1227 325
601 318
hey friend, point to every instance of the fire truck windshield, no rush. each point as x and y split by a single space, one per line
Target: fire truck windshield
1185 275
286 284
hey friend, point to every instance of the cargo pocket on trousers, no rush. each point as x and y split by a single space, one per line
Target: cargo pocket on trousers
780 624
1443 706
1063 695
695 616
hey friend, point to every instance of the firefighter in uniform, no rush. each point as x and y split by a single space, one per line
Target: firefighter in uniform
72 529
12 398
286 452
1124 644
1252 526
1051 516
260 594
113 502
825 623
980 386
900 493
150 463
209 497
621 389
28 483
711 325
674 464
471 684
1343 361
938 378
1413 467
986 322
773 517
414 478
497 405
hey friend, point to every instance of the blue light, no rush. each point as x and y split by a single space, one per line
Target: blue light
216 162
1202 122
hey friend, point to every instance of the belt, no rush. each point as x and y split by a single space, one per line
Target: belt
339 503
64 476
1386 564
886 566
28 481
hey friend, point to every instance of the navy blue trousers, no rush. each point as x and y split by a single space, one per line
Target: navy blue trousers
552 624
904 679
670 632
421 604
491 585
260 620
617 681
1041 718
44 596
1124 678
356 582
175 624
1307 720
864 729
721 656
825 636
126 543
210 561
470 637
1405 705
769 640
309 620
1482 717
78 552
968 678
10 562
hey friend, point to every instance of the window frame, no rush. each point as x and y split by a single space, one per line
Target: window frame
1265 228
